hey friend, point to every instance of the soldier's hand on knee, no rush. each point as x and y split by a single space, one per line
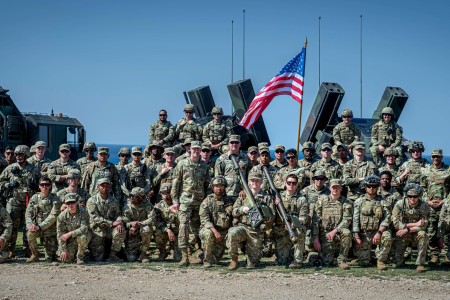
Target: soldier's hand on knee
120 229
171 235
245 209
376 239
64 256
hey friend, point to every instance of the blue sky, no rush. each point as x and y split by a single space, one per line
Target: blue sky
114 64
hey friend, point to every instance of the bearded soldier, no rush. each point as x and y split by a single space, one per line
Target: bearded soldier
162 131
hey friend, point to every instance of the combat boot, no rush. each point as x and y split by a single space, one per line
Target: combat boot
295 265
34 256
344 266
381 265
193 259
421 268
184 262
162 254
113 257
144 258
234 263
206 265
446 261
11 254
434 259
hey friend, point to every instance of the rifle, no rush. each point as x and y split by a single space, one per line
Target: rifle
255 213
280 207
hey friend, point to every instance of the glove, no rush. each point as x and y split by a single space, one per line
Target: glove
13 184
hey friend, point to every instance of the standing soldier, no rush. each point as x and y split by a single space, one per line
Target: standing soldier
292 167
390 154
138 174
413 170
410 217
41 215
188 191
371 220
309 157
206 157
9 155
102 168
216 217
253 155
139 218
124 158
58 169
38 159
165 172
331 167
89 149
386 133
356 170
331 226
244 232
345 133
443 230
153 156
280 160
5 233
162 131
166 225
73 178
217 131
264 161
72 229
386 191
187 127
224 166
19 181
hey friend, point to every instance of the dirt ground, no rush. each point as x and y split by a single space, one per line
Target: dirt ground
19 280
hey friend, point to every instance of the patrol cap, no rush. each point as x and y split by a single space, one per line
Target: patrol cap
359 145
40 144
326 146
32 149
347 113
89 145
136 149
189 108
390 151
219 180
263 147
70 197
334 182
436 152
308 145
319 173
279 147
137 192
206 146
252 149
23 149
103 180
196 144
372 180
124 151
73 174
341 146
64 147
169 150
235 138
413 189
255 174
165 188
103 150
187 141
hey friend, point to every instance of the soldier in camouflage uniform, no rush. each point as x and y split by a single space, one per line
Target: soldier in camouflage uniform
264 161
40 216
413 170
183 150
9 155
164 173
386 191
188 191
331 167
309 157
443 229
105 223
410 217
5 233
19 181
139 218
331 226
340 154
280 160
73 179
292 167
345 133
206 157
72 230
436 181
89 149
102 168
38 159
217 131
124 158
371 221
138 174
58 169
385 133
153 156
244 232
187 127
216 217
166 225
356 170
224 166
253 155
390 154
162 131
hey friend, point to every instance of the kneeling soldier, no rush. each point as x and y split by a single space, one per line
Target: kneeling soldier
5 233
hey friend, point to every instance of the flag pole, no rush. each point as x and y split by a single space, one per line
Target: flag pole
301 108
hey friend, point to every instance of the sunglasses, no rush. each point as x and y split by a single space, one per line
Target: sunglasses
234 143
137 154
124 155
45 184
71 203
320 178
253 152
291 182
326 149
279 151
162 115
290 157
372 186
206 150
346 117
412 197
9 153
88 151
64 151
189 112
435 156
216 114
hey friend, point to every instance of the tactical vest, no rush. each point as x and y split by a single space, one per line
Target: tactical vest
222 219
331 213
217 132
347 133
410 214
161 131
386 133
415 168
370 215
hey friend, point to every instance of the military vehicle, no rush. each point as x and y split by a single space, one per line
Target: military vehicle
18 128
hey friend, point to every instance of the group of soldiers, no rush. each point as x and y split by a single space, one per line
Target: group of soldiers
334 207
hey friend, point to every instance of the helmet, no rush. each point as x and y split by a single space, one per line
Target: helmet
372 180
308 145
347 113
189 108
89 145
219 180
413 189
387 111
22 149
217 110
416 145
390 151
124 151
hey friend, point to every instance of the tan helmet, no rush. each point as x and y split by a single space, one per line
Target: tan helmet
347 113
387 111
189 108
219 180
23 149
89 145
217 110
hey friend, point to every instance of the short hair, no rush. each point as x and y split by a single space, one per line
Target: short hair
291 176
45 178
293 151
9 148
386 172
163 110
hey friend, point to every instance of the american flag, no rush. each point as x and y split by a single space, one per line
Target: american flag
289 81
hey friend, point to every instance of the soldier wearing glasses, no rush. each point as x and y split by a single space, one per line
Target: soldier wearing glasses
280 160
345 133
187 127
217 131
162 132
292 167
89 149
331 167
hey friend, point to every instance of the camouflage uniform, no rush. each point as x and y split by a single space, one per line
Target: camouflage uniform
5 232
224 167
102 213
417 170
244 232
56 169
265 186
403 214
443 228
78 224
84 161
41 164
164 131
436 181
216 132
332 214
343 134
217 213
43 212
83 195
387 135
159 179
332 169
278 165
166 219
191 129
280 176
137 176
94 172
368 216
354 170
395 183
390 196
